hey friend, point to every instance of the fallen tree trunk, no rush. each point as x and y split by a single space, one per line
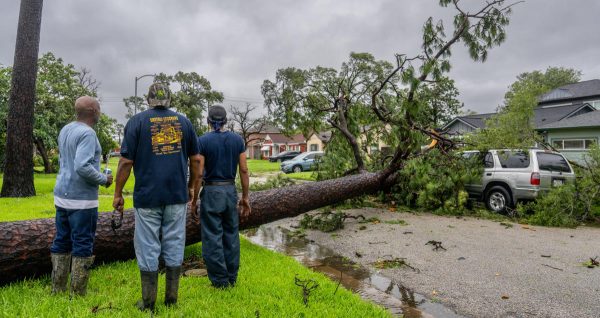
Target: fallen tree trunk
25 245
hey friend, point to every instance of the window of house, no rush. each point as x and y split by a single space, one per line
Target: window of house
595 104
513 159
314 147
573 144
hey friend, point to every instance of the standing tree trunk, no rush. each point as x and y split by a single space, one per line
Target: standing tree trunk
18 169
41 148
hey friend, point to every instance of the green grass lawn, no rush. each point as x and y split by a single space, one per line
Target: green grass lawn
258 166
265 289
306 175
42 205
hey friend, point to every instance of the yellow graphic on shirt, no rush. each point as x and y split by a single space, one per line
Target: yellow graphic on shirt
166 135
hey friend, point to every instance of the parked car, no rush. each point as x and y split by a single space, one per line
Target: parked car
283 156
304 162
511 176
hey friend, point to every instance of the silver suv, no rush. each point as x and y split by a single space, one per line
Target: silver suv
511 176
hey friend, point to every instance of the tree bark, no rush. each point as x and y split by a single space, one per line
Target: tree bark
18 169
25 245
41 148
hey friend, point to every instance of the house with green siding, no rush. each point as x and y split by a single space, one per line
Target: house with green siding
567 117
573 136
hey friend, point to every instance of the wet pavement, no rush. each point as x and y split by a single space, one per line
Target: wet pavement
381 290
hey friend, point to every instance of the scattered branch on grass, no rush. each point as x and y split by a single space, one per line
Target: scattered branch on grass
308 285
97 308
437 245
339 282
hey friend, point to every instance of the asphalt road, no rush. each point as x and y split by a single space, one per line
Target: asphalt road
487 269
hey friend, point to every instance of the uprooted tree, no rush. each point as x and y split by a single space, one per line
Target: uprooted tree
365 94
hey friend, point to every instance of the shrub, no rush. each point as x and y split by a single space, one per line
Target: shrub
436 182
570 204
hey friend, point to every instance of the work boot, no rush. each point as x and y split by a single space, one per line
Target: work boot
61 265
172 275
80 274
149 286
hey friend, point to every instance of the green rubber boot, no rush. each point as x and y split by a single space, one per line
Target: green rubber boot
61 266
80 274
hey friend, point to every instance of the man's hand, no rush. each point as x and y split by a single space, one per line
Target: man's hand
244 208
109 180
118 203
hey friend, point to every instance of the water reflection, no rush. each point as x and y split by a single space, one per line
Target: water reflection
398 299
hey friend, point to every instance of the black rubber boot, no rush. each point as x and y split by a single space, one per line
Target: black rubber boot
149 286
172 275
61 266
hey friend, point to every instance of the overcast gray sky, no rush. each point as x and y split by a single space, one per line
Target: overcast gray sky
237 44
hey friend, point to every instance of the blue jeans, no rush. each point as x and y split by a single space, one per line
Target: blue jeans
147 241
75 231
220 238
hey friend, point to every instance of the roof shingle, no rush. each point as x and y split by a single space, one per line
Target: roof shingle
573 91
591 119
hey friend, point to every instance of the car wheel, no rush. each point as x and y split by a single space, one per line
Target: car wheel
497 199
297 169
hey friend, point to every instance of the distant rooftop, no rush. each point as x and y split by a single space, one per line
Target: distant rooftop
571 91
543 116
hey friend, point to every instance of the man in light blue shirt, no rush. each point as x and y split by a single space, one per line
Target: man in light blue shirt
76 198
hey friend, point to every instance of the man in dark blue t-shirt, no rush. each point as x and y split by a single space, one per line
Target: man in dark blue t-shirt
158 143
221 152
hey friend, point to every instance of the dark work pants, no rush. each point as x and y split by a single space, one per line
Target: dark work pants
75 231
220 236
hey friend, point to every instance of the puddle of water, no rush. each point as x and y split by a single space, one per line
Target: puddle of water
381 290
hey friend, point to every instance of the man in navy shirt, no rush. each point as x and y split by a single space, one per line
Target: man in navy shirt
158 143
221 152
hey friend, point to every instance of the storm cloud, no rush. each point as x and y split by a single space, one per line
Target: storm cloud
237 44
